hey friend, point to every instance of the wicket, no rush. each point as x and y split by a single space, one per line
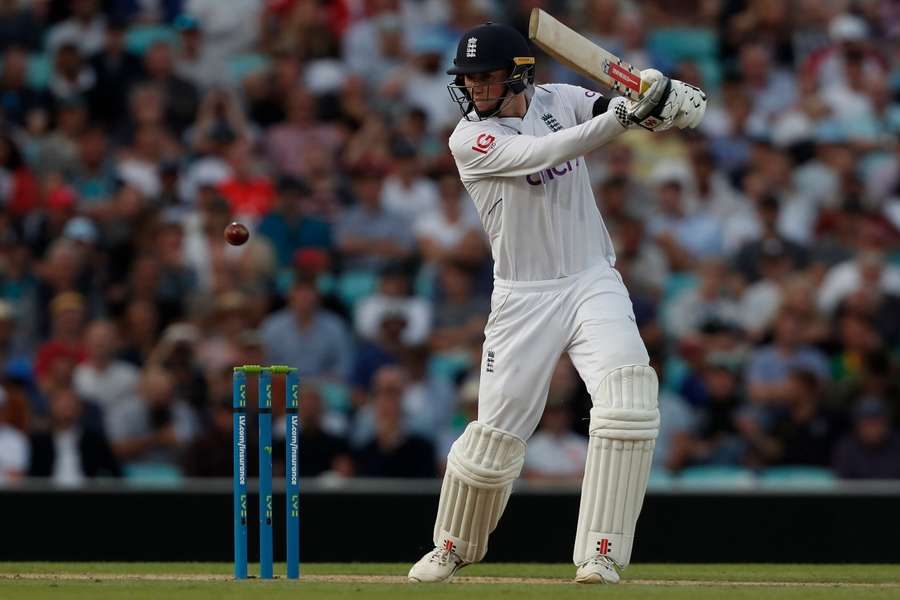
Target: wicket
291 469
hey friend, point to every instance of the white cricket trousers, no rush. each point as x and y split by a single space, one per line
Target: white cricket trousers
588 314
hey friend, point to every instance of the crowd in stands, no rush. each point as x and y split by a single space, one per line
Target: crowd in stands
761 250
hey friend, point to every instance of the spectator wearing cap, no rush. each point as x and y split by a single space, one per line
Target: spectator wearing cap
368 235
872 449
102 378
393 451
307 337
394 296
302 140
116 68
555 452
769 367
14 447
291 225
804 433
85 28
69 450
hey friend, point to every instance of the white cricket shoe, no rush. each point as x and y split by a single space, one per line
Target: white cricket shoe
439 565
598 569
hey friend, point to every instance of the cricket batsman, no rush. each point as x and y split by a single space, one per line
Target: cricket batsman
520 153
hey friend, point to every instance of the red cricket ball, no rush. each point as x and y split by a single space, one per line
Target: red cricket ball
236 234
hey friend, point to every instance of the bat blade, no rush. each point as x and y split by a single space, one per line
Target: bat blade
575 51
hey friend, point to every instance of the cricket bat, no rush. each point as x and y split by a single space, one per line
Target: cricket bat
575 51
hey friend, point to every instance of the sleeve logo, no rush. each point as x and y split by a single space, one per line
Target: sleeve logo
483 143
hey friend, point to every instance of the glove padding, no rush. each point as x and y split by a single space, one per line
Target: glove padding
693 105
668 103
658 107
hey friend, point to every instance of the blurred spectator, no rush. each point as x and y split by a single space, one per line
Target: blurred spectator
14 448
72 78
68 314
460 314
555 452
307 337
868 271
368 235
681 234
210 453
451 229
19 101
872 449
292 146
393 452
155 427
322 453
102 378
69 452
711 300
761 300
717 440
116 69
86 28
769 368
181 97
406 191
291 225
394 297
23 25
803 433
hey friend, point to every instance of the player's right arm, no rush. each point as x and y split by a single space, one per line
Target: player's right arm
484 149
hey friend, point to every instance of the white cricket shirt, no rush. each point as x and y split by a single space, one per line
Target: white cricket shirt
529 181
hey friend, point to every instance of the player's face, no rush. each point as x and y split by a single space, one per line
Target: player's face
486 89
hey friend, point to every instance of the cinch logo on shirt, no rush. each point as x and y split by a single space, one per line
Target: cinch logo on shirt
547 175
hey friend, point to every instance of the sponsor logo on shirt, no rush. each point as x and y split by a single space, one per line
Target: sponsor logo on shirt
547 175
483 143
489 362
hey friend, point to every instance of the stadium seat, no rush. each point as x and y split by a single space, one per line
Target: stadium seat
353 286
797 476
141 37
702 476
153 474
448 366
